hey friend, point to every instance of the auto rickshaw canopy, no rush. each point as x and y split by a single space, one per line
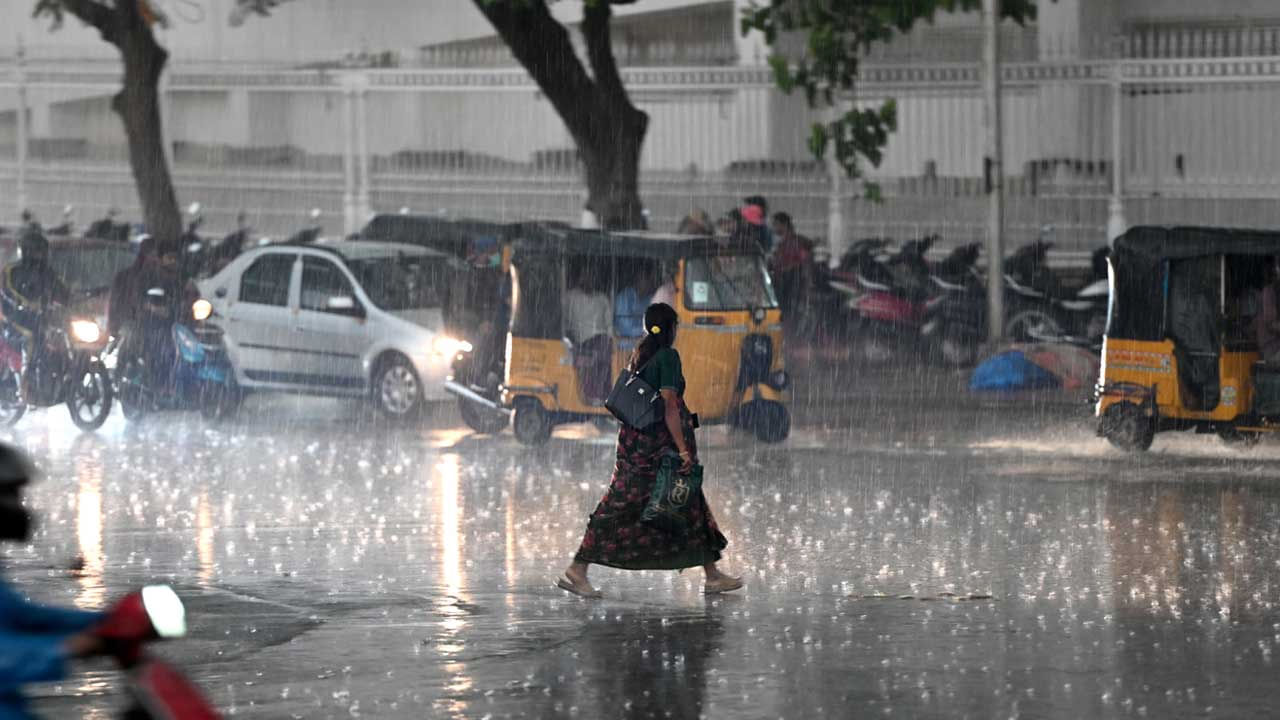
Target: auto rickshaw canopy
1138 261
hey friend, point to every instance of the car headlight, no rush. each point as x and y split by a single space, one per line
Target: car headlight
201 309
448 347
86 331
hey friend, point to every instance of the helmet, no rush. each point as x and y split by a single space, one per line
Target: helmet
33 246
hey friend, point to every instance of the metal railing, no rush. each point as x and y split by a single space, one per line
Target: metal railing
1153 140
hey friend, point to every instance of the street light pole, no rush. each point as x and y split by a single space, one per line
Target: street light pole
22 127
994 171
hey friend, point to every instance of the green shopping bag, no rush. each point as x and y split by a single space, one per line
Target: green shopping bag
673 493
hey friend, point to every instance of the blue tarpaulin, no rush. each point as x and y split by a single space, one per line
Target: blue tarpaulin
1010 371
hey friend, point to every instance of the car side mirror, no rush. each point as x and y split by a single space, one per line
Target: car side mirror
220 292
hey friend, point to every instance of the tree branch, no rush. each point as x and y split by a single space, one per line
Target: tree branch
604 67
542 46
94 14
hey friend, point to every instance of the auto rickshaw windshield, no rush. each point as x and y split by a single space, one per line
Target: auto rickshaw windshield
728 282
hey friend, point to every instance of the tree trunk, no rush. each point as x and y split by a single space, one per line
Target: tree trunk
611 159
138 105
606 128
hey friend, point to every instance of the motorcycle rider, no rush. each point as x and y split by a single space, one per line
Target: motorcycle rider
36 641
29 289
147 322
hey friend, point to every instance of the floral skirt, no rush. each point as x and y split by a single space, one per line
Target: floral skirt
616 537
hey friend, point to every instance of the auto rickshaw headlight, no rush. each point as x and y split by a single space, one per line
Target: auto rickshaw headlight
780 380
201 309
86 331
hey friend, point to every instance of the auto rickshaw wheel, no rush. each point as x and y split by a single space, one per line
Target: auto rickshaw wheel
1236 437
532 422
1126 426
481 419
769 420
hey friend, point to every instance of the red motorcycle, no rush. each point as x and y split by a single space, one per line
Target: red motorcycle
897 293
157 690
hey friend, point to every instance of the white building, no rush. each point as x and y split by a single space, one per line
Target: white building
447 101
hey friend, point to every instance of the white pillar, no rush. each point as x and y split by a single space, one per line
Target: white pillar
1116 224
350 222
21 195
995 172
837 238
362 148
751 48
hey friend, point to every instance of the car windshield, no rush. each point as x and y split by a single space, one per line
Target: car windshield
89 270
731 282
403 282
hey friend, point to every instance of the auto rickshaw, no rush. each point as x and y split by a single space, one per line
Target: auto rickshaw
1180 351
730 336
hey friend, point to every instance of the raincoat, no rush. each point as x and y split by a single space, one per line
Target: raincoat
32 640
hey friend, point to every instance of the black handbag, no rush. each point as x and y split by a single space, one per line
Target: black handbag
633 401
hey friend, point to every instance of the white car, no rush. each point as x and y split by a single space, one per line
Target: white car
337 318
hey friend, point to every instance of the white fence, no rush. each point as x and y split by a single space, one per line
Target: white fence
1194 144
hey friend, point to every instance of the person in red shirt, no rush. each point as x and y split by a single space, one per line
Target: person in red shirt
792 268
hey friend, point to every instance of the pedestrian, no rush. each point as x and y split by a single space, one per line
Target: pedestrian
615 535
792 267
1267 320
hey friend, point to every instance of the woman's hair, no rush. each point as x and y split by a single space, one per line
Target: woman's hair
659 333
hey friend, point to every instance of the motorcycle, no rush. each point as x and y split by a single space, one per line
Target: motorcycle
156 689
200 376
70 371
893 307
311 233
1043 309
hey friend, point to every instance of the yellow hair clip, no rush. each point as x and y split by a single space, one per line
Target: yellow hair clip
655 330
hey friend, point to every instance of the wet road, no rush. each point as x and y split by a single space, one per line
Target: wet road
333 568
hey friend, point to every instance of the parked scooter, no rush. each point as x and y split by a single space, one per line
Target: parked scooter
894 304
198 377
312 232
1045 311
156 689
70 371
68 224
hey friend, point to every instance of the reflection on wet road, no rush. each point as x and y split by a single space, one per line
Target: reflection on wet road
333 571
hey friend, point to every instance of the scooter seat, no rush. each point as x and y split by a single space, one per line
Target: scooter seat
1022 289
871 285
1077 305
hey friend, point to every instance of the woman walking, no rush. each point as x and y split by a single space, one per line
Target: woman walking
615 535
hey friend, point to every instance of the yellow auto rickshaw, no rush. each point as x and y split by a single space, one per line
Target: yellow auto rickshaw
1181 350
578 298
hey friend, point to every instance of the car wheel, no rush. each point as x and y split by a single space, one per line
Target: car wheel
532 423
397 390
90 401
1127 427
482 419
12 407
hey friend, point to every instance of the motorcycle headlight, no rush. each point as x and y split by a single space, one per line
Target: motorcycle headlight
448 347
86 331
201 309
